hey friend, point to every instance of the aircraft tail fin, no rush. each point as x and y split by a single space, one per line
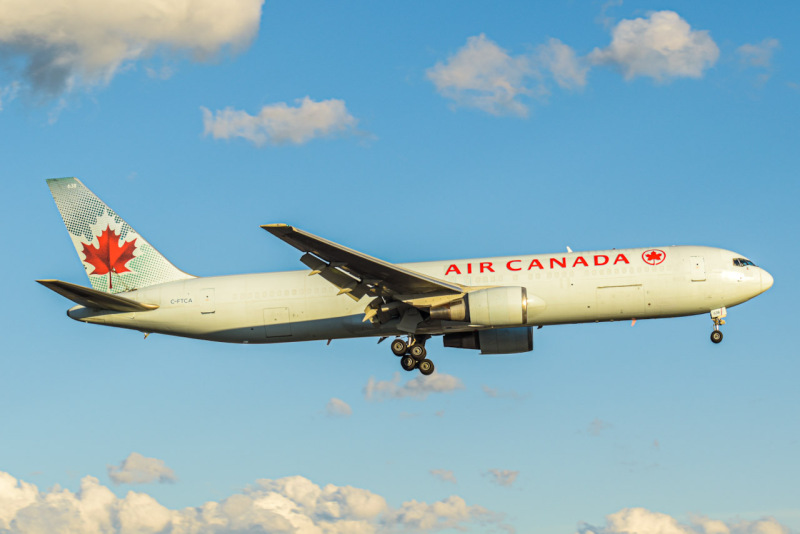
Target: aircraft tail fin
115 256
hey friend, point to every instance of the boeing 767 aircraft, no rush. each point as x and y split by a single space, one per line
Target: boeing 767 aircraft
486 304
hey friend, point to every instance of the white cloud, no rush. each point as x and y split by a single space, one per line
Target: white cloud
503 477
597 426
445 514
758 55
338 408
138 469
501 394
482 75
278 123
287 505
568 70
58 46
630 520
445 475
661 46
418 388
8 93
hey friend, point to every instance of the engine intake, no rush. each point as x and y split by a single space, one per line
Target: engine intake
495 306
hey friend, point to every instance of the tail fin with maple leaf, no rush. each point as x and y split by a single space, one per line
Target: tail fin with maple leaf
115 256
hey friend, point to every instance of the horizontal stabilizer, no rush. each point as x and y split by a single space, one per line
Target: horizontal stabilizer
91 298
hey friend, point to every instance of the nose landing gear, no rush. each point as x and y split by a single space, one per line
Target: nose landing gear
718 316
413 354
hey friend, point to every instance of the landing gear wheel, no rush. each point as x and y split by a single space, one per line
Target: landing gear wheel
408 363
426 367
418 352
399 347
716 336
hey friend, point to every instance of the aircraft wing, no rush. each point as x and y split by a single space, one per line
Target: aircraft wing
355 273
91 298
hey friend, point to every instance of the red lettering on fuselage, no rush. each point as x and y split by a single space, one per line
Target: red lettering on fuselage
516 265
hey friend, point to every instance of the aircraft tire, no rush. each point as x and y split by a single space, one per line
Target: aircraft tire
716 336
399 347
418 352
426 367
408 363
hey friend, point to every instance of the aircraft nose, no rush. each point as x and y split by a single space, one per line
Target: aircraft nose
766 280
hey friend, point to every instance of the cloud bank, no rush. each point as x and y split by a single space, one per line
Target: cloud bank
287 505
57 46
661 46
138 469
278 124
641 520
416 388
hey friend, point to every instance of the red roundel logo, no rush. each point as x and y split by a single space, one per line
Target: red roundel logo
654 256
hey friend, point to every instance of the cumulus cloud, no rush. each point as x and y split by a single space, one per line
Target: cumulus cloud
138 469
278 123
338 408
445 475
568 70
503 477
450 513
417 388
630 520
56 46
661 46
287 505
482 75
758 55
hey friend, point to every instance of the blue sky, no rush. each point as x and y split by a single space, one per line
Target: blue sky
415 131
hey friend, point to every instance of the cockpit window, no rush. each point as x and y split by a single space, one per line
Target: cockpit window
742 262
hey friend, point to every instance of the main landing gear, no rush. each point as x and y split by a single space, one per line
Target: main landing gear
413 354
718 316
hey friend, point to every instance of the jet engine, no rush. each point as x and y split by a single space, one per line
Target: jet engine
495 306
497 341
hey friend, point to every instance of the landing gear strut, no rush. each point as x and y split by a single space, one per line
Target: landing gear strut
413 354
718 316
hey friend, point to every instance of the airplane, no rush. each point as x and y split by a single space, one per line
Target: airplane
486 304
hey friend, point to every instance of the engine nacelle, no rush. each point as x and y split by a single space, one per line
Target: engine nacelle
495 306
497 341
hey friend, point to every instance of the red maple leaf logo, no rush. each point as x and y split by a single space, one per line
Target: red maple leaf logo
109 257
654 257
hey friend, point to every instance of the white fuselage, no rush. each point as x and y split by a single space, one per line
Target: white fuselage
576 287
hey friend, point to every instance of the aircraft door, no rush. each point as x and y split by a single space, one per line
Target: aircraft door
698 266
276 322
207 301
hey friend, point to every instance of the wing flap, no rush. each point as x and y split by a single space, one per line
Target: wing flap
91 298
365 271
